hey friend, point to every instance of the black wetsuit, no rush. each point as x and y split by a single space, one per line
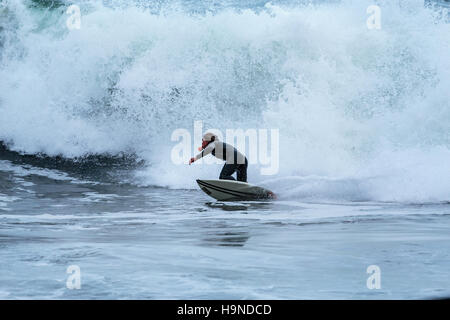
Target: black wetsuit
234 160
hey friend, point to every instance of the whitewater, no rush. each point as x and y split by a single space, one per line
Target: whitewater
86 177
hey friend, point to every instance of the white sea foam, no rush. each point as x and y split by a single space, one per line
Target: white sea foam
365 112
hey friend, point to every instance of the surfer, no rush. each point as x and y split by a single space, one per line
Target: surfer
234 160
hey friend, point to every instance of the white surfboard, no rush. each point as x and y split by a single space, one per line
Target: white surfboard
229 190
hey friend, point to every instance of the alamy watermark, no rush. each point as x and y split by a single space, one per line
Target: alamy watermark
73 22
74 278
373 22
263 148
374 280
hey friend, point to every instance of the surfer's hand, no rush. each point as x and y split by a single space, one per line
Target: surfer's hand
192 160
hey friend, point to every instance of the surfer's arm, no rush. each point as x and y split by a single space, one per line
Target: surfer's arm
209 148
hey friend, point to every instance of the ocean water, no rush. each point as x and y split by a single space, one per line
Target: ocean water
86 177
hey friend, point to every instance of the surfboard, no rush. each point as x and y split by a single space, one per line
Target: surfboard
229 190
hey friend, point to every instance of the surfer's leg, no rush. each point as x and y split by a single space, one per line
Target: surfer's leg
227 171
242 172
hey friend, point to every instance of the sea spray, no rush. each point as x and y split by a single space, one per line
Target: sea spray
366 109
